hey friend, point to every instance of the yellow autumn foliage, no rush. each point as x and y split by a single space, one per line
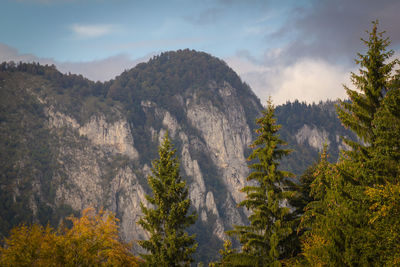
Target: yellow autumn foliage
314 250
91 241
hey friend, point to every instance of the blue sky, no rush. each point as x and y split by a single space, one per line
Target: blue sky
286 49
93 29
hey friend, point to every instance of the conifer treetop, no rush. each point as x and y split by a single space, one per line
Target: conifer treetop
169 244
372 83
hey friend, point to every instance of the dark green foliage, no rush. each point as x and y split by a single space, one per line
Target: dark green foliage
271 223
386 153
73 84
172 73
165 221
383 167
25 152
28 149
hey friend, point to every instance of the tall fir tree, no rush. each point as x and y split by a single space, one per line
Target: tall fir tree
271 222
359 168
372 84
168 215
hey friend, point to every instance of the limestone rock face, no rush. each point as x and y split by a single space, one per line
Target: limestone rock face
93 170
313 136
100 165
115 137
226 135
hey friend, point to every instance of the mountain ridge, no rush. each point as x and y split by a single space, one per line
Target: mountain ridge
69 142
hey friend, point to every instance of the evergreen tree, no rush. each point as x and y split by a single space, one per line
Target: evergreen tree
321 237
167 217
384 198
362 167
385 156
374 81
271 223
225 253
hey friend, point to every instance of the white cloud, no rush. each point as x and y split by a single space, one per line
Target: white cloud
92 31
97 70
102 70
309 80
8 53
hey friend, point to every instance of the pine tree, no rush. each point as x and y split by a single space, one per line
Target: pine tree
167 217
263 241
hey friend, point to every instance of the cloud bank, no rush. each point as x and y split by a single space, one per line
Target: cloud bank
309 80
92 31
97 70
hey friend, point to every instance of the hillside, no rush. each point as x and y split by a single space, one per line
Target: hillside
306 128
68 143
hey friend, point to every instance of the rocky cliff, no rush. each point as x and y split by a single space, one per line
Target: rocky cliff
68 143
101 143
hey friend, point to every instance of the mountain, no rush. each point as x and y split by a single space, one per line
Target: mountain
68 143
306 128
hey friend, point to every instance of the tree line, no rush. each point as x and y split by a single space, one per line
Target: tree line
340 214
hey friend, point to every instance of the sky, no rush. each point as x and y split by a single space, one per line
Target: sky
286 49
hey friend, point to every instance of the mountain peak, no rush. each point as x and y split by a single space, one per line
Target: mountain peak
174 72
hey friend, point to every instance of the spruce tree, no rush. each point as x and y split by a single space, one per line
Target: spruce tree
359 168
271 222
168 216
372 84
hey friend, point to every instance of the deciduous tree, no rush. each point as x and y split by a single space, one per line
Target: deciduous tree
91 241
